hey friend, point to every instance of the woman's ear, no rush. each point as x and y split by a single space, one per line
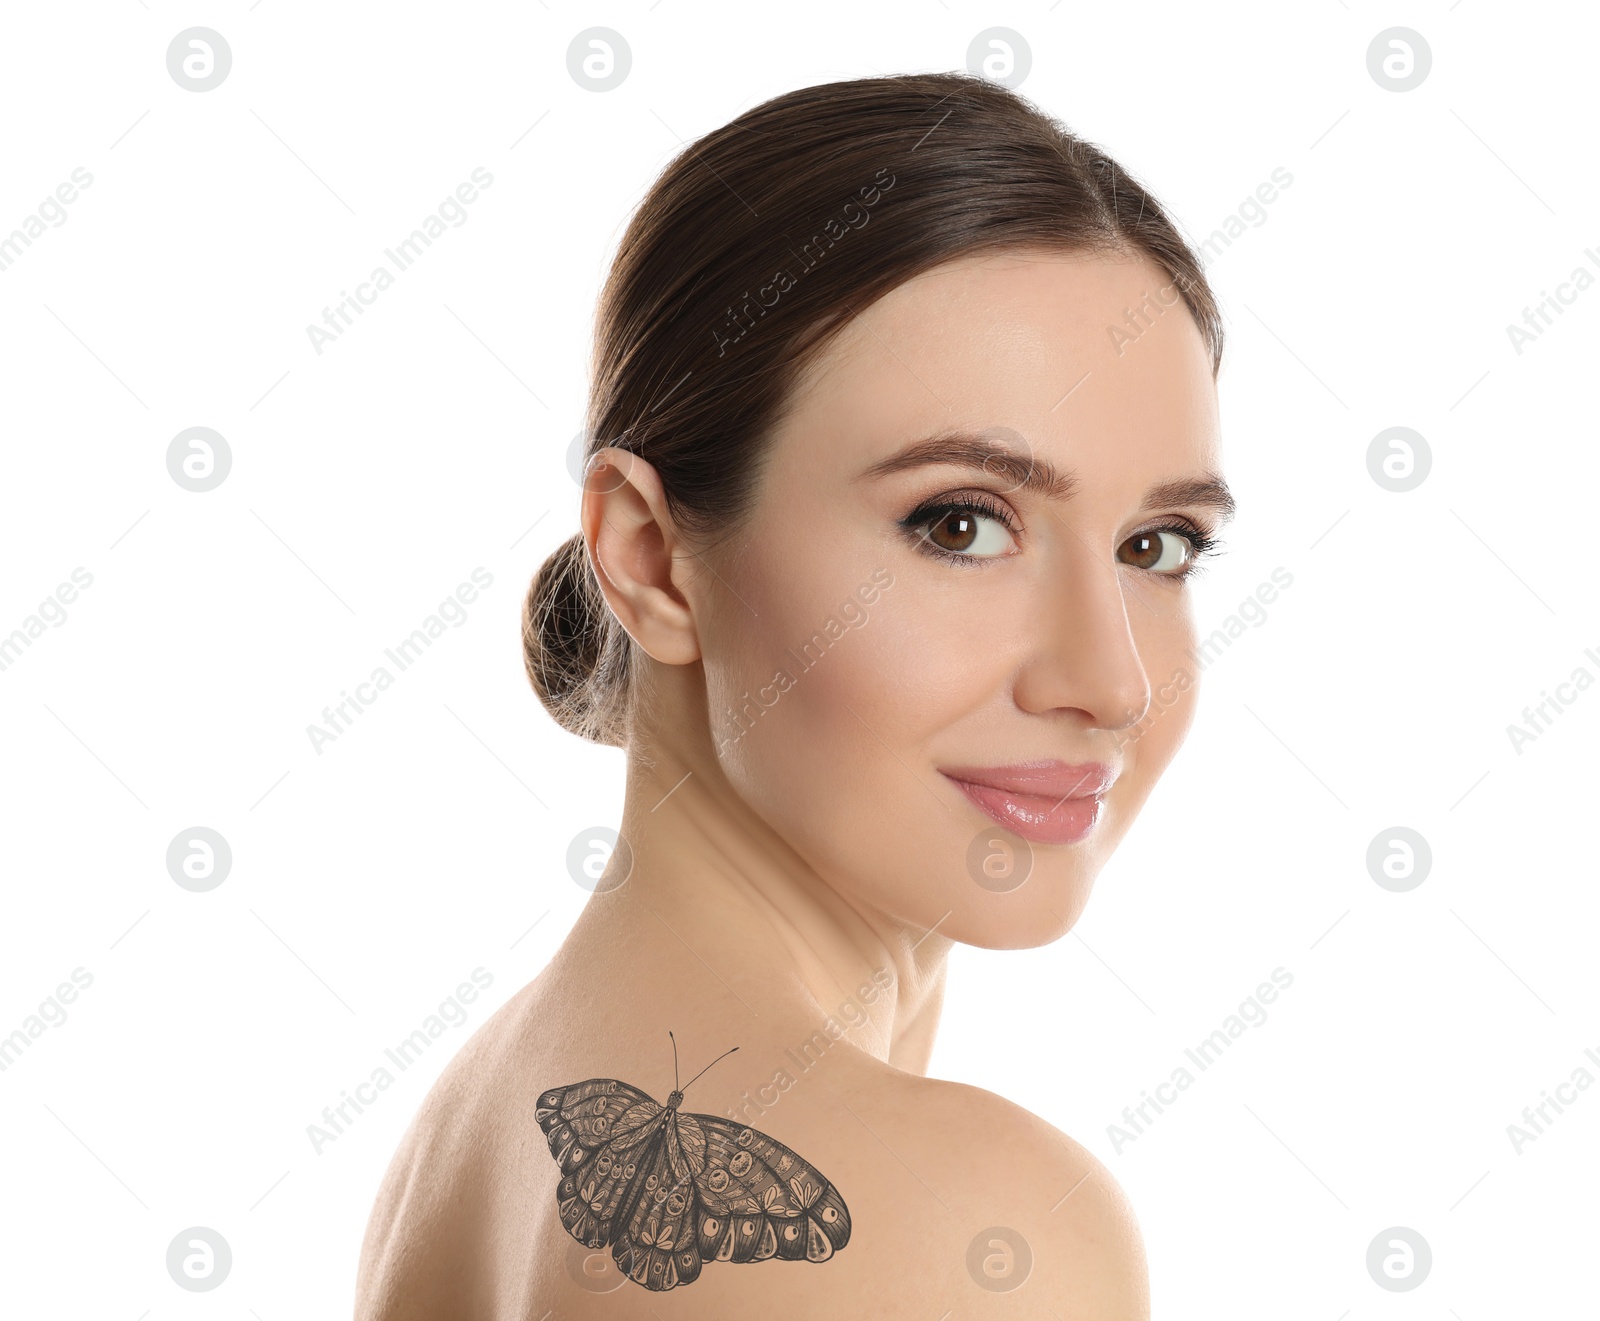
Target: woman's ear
632 543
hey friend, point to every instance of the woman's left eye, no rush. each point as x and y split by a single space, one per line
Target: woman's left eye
1161 551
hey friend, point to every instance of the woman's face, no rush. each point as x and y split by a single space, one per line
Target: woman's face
955 654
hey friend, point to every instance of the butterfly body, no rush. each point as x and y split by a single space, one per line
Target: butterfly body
668 1191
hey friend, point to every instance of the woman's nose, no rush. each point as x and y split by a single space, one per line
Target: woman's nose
1084 656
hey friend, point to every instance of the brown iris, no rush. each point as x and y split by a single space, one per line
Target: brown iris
1145 550
956 531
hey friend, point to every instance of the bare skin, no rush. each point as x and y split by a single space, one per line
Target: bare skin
798 880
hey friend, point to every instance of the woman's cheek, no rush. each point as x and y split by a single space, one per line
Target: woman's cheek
835 737
848 696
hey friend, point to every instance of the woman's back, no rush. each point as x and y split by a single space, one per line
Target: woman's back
468 1223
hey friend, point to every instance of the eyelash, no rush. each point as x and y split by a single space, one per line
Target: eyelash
916 523
919 520
1202 543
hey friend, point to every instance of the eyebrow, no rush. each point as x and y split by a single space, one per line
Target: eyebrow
1030 473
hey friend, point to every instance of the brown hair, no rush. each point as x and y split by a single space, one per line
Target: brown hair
760 241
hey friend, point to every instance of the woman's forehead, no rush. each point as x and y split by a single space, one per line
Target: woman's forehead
1081 355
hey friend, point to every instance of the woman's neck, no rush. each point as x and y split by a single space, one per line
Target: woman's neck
707 872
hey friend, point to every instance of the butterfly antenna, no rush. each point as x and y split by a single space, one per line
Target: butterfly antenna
674 1041
722 1056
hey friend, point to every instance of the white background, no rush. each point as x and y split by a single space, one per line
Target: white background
430 439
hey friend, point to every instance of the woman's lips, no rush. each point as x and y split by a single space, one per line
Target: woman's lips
1046 802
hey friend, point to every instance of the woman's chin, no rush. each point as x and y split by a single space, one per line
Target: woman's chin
1038 912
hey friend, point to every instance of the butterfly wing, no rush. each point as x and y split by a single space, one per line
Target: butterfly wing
669 1191
757 1198
656 1237
600 1133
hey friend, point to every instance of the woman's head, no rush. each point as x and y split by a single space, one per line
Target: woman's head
903 430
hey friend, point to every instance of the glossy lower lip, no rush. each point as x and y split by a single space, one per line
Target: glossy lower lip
1043 802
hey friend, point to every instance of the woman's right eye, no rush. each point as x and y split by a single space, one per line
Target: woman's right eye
965 532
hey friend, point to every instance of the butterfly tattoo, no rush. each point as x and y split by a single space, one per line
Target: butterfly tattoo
668 1192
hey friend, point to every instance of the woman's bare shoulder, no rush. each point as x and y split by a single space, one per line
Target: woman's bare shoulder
1024 1207
453 1186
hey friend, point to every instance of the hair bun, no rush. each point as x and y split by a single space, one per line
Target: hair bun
573 648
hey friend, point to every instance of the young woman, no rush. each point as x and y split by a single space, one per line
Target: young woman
903 441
